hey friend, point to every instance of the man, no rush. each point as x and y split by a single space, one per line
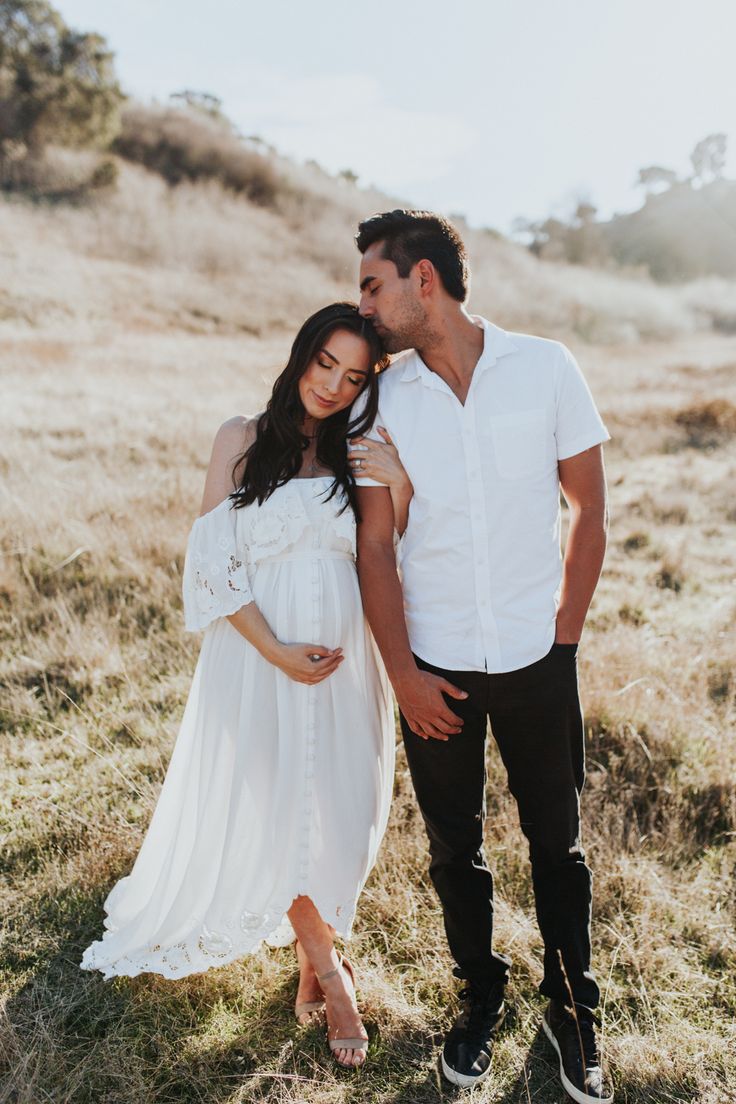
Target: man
489 425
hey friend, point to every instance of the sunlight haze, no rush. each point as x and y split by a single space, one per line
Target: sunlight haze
481 107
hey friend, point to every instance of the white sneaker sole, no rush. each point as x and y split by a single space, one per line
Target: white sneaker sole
578 1096
462 1079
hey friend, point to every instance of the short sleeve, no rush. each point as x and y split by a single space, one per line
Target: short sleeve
578 424
215 581
356 411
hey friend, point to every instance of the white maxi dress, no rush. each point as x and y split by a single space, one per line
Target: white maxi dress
274 788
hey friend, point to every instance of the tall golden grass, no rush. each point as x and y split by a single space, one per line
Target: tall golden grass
130 329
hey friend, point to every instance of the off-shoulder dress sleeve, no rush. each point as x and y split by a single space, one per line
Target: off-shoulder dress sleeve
215 582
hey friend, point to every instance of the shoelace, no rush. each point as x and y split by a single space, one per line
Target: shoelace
482 1009
587 1023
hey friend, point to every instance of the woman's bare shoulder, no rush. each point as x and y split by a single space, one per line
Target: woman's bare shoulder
240 430
232 440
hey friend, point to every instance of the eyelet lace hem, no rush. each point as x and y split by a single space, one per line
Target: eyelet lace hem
206 947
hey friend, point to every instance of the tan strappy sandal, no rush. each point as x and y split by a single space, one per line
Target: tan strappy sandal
359 1043
314 1010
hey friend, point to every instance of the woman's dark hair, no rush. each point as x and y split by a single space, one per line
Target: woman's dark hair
275 456
411 236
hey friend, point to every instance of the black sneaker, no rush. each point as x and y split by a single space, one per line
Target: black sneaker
572 1034
466 1055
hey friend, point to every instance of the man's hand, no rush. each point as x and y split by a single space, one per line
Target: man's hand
426 712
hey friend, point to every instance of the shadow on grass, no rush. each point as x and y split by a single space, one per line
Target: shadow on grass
223 1037
68 1035
228 1035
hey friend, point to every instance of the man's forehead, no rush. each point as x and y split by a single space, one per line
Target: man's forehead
373 262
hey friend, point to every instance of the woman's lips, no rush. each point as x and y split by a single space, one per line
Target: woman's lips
326 403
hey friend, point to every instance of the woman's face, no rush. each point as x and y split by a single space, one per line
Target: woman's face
336 375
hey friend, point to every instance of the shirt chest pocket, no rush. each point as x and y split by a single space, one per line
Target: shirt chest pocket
523 443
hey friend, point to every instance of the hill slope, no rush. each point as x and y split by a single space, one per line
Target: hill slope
680 234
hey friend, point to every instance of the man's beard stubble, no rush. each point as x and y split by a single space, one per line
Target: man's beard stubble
411 330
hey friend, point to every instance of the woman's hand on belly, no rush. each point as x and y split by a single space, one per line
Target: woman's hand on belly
309 663
293 659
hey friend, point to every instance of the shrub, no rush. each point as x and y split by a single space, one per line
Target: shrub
183 144
714 416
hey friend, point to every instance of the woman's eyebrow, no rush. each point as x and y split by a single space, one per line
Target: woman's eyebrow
353 371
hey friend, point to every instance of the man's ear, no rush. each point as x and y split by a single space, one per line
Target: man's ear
426 273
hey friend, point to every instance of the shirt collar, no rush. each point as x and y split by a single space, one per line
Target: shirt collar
496 343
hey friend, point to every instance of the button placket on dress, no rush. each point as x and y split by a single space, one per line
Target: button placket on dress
311 733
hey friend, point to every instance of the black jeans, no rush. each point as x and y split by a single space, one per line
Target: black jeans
537 723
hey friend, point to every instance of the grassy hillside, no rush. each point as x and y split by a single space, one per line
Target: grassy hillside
680 234
250 242
131 326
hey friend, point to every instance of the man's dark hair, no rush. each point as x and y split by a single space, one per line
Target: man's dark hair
411 236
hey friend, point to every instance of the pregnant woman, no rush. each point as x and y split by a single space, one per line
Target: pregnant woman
278 789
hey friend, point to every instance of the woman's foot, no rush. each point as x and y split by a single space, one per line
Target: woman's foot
343 1018
310 1000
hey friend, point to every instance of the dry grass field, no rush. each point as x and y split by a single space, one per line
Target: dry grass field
129 330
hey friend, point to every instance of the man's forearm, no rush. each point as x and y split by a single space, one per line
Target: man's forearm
584 552
384 607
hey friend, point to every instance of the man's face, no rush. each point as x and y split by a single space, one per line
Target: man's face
391 302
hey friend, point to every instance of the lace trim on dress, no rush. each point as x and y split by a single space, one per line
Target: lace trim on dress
215 581
280 521
224 543
205 947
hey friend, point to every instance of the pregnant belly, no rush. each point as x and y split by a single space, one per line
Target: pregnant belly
310 600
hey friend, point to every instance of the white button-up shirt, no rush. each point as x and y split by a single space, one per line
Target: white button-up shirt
480 559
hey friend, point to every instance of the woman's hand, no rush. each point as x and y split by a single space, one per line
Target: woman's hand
294 660
379 461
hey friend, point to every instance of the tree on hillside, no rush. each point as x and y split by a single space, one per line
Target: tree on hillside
578 240
656 178
204 102
56 85
709 158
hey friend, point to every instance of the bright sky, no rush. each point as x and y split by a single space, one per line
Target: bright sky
491 108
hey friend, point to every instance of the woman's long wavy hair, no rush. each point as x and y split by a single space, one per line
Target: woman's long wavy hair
275 456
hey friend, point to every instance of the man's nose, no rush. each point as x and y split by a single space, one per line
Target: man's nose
365 310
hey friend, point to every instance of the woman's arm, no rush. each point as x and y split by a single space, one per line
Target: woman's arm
292 659
231 440
381 462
